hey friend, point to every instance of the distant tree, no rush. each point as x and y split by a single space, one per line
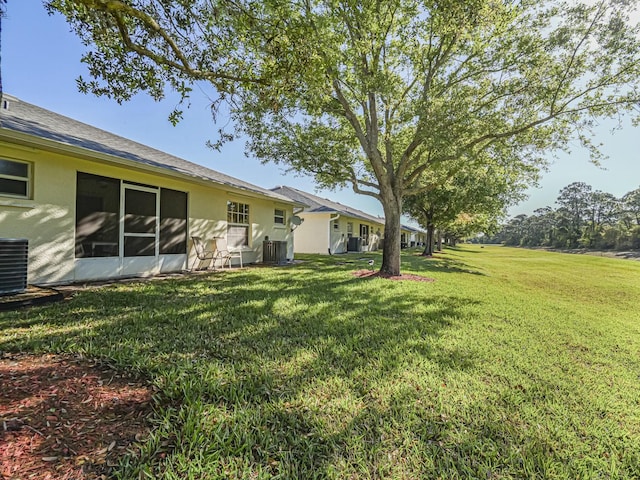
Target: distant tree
593 219
631 204
574 201
545 223
477 191
466 225
514 230
603 211
371 93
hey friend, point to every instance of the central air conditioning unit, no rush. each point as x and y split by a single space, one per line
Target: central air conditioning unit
354 244
274 252
14 257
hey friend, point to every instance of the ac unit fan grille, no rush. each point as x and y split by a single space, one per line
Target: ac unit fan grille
14 258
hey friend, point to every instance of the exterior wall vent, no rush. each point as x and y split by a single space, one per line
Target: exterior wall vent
14 255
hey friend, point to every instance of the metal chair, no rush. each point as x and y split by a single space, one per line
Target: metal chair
201 251
223 253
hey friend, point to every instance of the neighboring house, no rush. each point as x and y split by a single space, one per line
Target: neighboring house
330 227
411 236
94 205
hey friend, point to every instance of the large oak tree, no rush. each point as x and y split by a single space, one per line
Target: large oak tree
374 93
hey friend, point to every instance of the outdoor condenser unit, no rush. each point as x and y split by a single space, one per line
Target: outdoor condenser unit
274 252
14 255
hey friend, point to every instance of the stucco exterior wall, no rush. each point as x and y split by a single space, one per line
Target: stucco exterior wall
313 235
47 219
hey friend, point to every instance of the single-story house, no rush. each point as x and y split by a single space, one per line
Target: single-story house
411 236
93 205
330 227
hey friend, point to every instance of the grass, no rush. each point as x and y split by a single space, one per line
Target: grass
512 364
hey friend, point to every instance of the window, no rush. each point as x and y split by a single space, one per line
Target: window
14 178
238 224
349 229
336 224
173 222
279 216
97 216
237 213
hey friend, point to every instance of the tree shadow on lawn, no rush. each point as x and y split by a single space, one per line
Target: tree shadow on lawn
257 347
445 265
411 261
438 263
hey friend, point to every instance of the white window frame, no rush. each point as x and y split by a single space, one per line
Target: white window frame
242 217
27 180
279 219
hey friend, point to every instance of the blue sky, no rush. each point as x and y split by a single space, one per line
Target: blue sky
41 61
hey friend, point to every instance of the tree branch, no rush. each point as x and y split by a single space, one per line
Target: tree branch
117 8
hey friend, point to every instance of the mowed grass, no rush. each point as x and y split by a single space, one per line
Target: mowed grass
512 364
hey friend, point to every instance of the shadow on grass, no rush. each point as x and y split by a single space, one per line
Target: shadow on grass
264 351
441 262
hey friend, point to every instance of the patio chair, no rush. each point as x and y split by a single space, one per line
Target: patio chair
201 251
223 253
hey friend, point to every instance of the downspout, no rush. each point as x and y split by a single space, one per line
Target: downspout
331 219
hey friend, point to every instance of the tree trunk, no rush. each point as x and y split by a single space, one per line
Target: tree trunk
428 248
439 248
391 252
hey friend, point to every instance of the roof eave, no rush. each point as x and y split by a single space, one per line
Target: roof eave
28 140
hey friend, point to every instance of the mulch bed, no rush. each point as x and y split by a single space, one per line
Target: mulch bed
403 276
67 417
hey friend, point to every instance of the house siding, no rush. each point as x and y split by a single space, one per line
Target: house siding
47 219
312 235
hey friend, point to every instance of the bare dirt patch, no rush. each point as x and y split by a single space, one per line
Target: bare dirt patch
67 417
403 276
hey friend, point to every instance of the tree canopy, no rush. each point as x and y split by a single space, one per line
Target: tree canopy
463 194
375 93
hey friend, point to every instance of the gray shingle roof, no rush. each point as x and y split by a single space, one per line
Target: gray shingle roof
412 229
323 205
32 120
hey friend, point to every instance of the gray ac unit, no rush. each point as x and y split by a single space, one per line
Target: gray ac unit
354 244
274 252
14 256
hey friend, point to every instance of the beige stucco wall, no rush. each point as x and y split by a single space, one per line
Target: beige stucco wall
47 220
313 235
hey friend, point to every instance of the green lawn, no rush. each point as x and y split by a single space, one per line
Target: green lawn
512 364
